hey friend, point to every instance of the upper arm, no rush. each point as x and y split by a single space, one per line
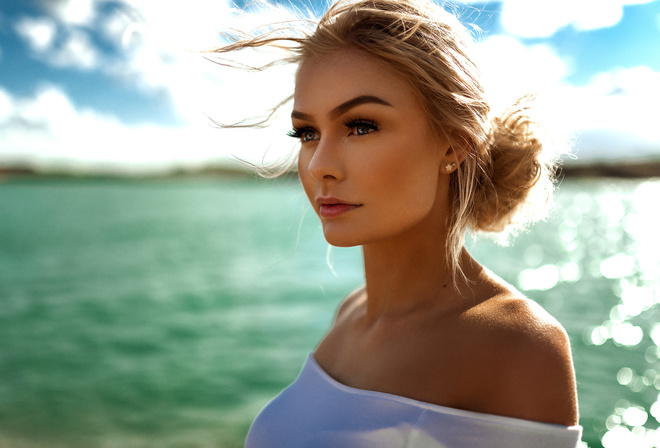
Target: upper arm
541 384
534 370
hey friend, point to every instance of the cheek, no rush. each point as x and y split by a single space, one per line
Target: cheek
410 176
416 190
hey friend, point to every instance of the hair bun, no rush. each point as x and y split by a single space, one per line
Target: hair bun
517 173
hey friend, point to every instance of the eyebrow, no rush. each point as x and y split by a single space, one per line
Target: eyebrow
345 106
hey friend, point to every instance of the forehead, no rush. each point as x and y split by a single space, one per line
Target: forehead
345 74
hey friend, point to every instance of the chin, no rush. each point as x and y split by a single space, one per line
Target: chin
342 242
344 238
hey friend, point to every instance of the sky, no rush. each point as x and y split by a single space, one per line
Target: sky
118 86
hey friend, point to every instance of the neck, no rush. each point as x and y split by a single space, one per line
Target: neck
406 274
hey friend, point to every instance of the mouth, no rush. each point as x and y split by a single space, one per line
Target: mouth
333 208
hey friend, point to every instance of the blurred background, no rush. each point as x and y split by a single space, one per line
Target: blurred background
154 294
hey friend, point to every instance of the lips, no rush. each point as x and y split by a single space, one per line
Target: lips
333 207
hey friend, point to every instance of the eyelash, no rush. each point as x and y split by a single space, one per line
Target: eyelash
350 123
299 132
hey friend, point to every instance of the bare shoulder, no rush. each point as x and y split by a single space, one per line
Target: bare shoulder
350 303
528 353
331 344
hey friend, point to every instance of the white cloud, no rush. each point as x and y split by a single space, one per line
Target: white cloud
197 22
6 106
512 69
614 115
594 14
60 38
153 55
531 19
536 18
48 131
613 112
114 25
74 12
76 51
39 33
155 61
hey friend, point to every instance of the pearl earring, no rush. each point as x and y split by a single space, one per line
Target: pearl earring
450 167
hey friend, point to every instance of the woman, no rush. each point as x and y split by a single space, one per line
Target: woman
400 156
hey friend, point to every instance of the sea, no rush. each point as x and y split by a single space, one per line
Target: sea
140 313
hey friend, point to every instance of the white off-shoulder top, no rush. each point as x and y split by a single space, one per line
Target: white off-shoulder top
316 411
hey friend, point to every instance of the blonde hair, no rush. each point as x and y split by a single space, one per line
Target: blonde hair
506 179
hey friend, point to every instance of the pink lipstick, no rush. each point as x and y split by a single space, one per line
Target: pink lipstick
333 207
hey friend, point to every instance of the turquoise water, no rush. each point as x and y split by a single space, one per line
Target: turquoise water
165 313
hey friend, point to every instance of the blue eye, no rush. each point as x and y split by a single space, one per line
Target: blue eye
303 134
363 130
308 136
361 127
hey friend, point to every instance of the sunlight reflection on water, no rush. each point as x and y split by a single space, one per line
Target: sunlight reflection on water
596 267
145 321
635 268
613 236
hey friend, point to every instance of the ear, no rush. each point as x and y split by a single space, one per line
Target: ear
456 155
453 156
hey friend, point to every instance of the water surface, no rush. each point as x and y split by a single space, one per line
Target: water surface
165 313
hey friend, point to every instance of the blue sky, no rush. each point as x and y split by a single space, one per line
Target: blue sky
103 85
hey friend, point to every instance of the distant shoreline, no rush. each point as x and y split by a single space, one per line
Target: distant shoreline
219 172
632 170
641 169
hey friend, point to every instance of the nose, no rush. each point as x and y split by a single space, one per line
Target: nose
326 162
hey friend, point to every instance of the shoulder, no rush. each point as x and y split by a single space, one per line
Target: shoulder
350 303
528 358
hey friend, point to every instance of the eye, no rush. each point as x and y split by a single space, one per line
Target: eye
306 134
361 127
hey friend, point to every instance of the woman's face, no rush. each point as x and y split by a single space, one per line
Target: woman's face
369 162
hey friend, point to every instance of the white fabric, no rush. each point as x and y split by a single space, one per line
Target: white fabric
318 412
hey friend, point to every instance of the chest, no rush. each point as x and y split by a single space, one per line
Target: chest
431 365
